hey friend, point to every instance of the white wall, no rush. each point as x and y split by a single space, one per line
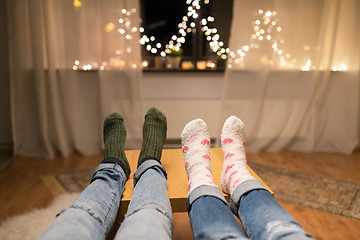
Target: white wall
184 96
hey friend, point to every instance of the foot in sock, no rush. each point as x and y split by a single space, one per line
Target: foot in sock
235 169
114 141
154 135
195 141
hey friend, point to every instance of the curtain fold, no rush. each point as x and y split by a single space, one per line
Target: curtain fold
294 74
69 70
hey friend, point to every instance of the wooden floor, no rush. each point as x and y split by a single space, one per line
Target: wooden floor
21 188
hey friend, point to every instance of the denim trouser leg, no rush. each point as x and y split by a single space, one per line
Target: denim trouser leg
149 215
262 216
210 215
93 213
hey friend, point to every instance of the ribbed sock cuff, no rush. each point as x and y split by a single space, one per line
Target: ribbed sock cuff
204 190
242 189
119 162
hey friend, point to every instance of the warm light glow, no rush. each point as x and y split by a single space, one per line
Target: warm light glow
264 28
109 27
343 67
145 63
77 3
307 66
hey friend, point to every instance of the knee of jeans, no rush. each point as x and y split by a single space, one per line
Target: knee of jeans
80 208
285 230
151 207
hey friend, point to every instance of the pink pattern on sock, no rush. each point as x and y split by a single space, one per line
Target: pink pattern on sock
244 144
194 151
185 149
229 167
246 174
208 175
206 156
208 169
193 136
186 165
232 174
205 142
228 155
189 185
228 140
236 182
194 164
237 133
240 159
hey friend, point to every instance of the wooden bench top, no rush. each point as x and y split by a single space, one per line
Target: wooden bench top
177 183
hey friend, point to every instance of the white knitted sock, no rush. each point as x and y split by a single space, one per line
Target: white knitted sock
233 143
195 141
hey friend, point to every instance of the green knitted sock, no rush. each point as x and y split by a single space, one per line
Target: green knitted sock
114 140
154 134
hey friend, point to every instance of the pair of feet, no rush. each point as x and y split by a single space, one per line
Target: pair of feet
195 141
154 135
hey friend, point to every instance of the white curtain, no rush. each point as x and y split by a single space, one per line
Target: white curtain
293 74
56 105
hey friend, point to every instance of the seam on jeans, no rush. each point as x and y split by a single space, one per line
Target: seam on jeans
113 196
87 210
150 206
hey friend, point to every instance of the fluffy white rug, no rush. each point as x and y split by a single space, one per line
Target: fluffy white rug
30 225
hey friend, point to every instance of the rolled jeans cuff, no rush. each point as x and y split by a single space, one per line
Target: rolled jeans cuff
242 189
113 166
204 190
144 166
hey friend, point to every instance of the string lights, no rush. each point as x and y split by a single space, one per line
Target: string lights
266 31
185 27
343 67
265 28
126 26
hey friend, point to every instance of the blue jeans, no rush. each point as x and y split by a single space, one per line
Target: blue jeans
261 215
93 213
